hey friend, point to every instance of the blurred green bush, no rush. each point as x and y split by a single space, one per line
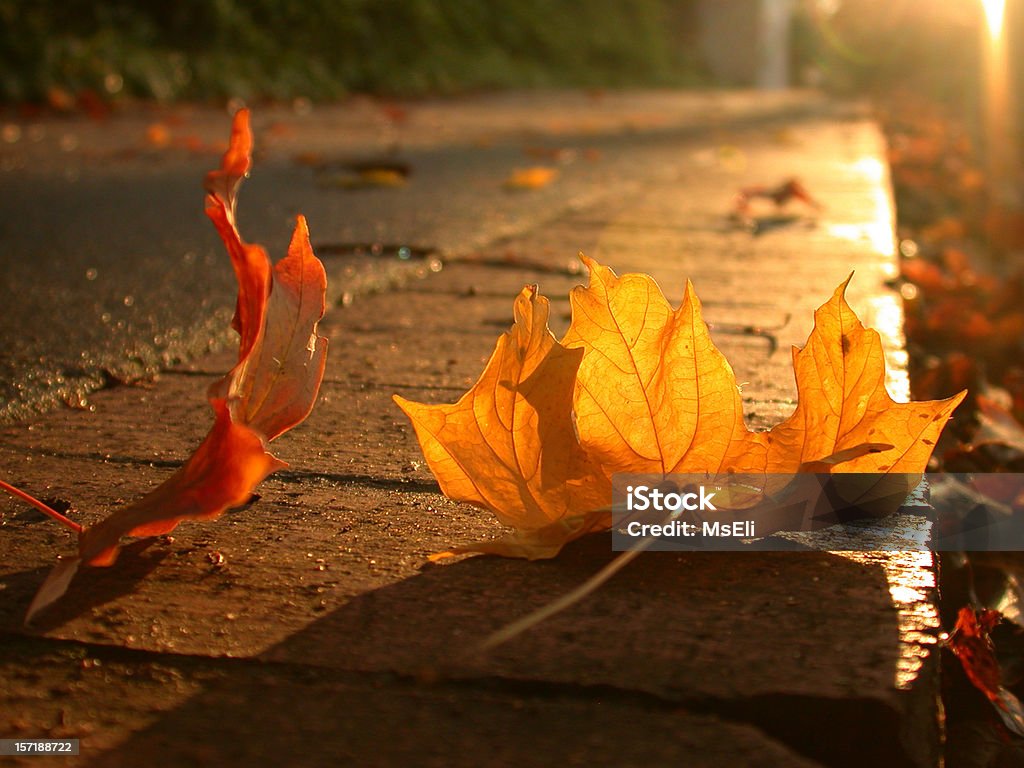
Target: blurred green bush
325 48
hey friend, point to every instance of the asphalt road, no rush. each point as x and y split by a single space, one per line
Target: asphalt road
115 273
110 272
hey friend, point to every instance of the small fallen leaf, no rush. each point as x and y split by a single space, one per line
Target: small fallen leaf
308 159
382 177
731 158
971 644
158 135
780 195
60 99
371 177
363 174
397 114
535 177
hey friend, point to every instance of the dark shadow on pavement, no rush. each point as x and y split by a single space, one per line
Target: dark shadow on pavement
91 588
709 658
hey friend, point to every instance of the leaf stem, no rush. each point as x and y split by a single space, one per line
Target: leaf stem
543 613
41 507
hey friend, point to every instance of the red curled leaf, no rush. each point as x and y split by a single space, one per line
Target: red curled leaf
271 389
970 642
277 381
250 262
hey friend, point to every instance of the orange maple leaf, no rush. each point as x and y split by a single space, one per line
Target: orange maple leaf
653 395
271 389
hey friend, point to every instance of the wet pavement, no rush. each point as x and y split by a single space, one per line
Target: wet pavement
309 627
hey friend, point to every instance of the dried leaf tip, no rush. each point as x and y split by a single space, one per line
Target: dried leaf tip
222 184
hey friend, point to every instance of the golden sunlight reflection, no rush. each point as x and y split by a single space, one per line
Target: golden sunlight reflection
878 228
909 575
878 233
998 110
911 587
994 12
871 167
883 225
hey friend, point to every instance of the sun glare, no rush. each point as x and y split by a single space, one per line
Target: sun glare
994 16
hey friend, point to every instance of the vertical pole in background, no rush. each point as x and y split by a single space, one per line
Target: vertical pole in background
773 44
999 108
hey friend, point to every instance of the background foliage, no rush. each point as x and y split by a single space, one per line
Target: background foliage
326 48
